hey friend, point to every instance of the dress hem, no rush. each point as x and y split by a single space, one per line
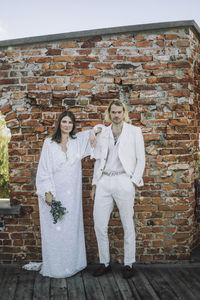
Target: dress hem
63 276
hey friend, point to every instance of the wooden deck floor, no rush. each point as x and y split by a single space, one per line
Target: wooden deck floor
155 281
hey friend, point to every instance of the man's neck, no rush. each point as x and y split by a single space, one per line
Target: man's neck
117 127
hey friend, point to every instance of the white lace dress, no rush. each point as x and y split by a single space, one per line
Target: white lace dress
63 243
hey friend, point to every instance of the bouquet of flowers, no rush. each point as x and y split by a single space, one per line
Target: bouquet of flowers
57 210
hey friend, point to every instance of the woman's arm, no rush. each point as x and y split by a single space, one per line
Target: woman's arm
44 179
93 133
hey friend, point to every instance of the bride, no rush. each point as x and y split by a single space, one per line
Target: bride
59 177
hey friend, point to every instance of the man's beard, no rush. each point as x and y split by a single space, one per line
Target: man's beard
117 121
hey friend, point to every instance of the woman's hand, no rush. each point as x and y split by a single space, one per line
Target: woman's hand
93 133
92 138
48 198
93 192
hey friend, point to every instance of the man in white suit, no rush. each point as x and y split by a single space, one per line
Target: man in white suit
119 167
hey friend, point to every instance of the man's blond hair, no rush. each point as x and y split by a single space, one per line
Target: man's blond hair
117 103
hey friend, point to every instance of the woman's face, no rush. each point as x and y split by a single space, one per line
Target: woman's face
66 125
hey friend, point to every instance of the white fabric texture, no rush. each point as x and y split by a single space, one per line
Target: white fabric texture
63 243
33 266
131 153
118 189
113 163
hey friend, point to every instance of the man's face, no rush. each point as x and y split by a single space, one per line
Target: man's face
116 114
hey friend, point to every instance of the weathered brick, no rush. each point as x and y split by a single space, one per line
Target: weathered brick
160 86
144 44
86 86
39 59
69 45
103 66
140 58
179 64
90 72
81 79
51 52
8 81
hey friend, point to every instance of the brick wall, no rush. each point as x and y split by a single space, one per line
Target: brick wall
157 74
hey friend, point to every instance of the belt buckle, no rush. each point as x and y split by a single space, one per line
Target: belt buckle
112 173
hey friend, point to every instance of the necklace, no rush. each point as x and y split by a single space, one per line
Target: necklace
116 132
63 146
116 136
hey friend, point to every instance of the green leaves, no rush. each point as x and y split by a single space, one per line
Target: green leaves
57 211
4 169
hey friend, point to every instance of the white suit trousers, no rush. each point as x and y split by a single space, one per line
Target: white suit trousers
118 189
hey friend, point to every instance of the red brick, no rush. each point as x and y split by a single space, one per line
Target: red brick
179 64
140 58
69 45
161 101
8 81
144 44
52 52
39 59
64 58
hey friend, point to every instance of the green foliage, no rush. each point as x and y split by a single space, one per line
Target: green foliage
4 171
199 164
57 211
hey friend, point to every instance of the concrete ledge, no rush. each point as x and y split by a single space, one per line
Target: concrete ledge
104 31
12 210
4 202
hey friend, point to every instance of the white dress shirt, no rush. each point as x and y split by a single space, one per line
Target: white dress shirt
113 163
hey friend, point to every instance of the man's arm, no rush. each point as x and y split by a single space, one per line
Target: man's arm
140 158
96 167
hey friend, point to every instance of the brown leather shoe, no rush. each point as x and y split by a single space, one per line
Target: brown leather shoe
102 270
127 272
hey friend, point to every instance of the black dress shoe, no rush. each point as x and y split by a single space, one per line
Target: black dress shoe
102 270
127 272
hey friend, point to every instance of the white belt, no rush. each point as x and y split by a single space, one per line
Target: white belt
113 173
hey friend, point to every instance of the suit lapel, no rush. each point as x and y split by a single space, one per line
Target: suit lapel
105 140
123 135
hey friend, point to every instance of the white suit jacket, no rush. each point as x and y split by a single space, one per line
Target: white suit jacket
131 153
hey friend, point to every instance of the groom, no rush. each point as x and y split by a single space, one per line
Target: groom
119 166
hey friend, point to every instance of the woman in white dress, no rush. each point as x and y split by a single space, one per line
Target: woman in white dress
59 176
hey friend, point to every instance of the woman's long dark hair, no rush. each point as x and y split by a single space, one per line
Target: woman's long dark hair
56 135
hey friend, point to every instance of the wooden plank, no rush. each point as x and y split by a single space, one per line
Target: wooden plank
193 284
160 286
9 283
92 287
76 287
24 290
127 291
150 282
58 289
109 287
172 276
2 271
41 287
141 284
195 271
